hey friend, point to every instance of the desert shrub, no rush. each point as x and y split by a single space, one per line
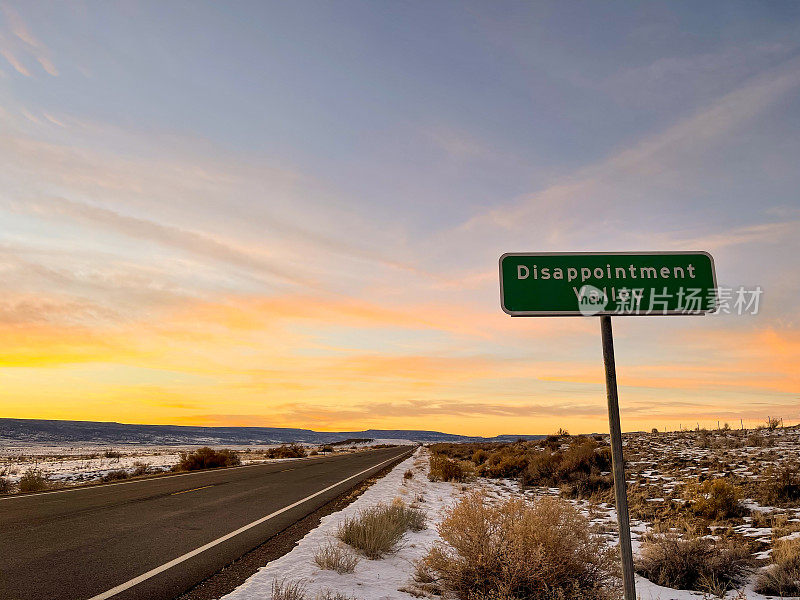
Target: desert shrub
553 442
578 471
5 486
584 457
326 449
782 576
654 430
704 439
313 453
115 475
409 474
690 562
140 468
288 590
112 454
542 468
479 456
376 531
207 458
286 451
586 486
446 469
714 499
335 557
513 549
780 486
507 462
33 480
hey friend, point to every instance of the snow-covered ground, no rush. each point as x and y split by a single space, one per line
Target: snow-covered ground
72 464
372 579
390 578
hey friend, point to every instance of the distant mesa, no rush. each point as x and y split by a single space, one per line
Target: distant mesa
36 431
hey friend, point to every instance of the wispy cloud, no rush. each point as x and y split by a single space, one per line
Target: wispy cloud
190 241
11 48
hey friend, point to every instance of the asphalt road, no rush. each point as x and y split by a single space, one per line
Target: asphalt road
153 539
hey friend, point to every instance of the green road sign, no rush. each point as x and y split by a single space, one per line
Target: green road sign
613 283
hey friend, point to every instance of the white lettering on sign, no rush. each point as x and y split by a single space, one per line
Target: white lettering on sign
573 273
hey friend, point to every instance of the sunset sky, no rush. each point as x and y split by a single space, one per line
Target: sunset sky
290 213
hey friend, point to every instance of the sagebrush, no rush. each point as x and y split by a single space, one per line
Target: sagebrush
515 549
687 561
442 468
33 480
207 458
286 451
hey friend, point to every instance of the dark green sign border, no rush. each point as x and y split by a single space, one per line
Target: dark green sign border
577 312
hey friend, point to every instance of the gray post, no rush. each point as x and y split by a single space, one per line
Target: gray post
618 465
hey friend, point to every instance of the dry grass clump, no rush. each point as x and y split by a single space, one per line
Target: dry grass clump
288 590
5 485
686 561
715 499
513 549
286 451
33 480
780 486
782 577
207 458
377 531
447 469
334 557
296 590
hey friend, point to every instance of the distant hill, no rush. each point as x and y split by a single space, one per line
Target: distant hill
35 431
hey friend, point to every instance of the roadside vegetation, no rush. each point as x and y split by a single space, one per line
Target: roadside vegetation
515 549
579 465
377 531
207 458
685 560
443 468
286 451
283 589
33 480
334 556
705 496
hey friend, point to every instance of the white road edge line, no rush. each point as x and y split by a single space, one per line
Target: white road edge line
102 485
153 572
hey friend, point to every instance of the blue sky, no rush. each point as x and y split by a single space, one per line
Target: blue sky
358 168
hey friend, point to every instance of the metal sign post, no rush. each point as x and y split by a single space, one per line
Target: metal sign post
617 460
548 284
